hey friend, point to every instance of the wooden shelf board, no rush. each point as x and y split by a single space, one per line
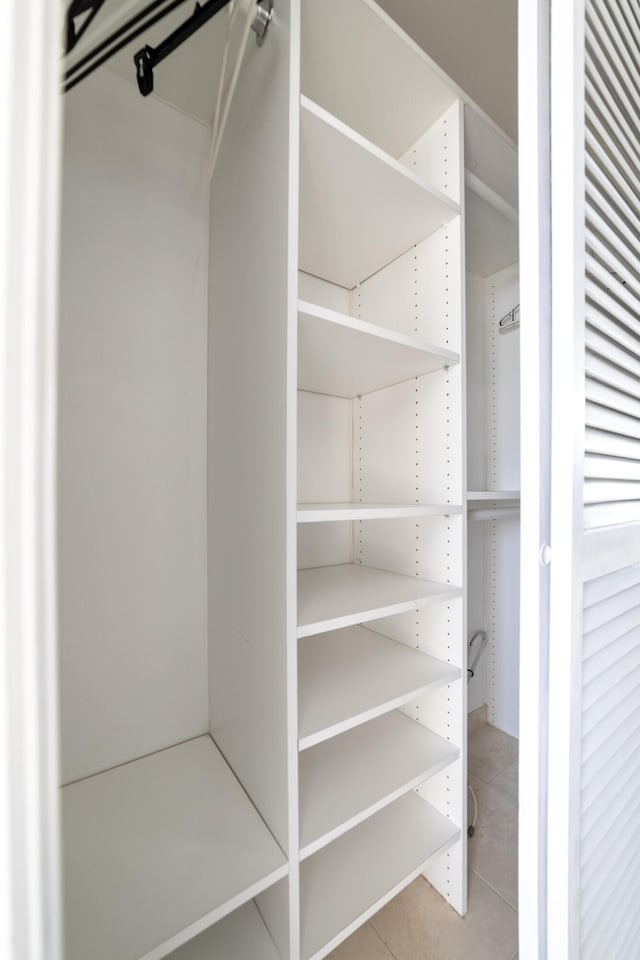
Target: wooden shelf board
157 850
349 778
346 594
324 512
359 208
346 357
348 881
241 935
350 676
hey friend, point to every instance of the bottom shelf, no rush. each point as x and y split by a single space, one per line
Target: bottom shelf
349 880
157 850
240 936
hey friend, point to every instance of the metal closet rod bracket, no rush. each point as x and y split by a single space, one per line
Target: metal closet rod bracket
148 57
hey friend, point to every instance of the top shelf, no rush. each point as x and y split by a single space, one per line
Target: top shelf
359 208
391 107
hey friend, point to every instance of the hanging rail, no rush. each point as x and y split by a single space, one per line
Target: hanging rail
148 57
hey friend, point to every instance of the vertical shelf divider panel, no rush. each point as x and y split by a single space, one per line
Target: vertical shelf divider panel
419 426
251 438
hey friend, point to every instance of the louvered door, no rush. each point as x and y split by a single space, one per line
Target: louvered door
594 774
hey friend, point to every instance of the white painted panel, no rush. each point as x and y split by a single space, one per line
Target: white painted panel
426 547
327 295
476 382
322 544
436 154
240 936
419 292
391 106
30 155
275 905
359 208
444 793
132 441
503 383
491 237
251 428
324 448
441 710
436 630
502 582
477 608
374 861
490 156
407 441
157 850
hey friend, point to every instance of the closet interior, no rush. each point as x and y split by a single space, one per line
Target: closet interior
288 486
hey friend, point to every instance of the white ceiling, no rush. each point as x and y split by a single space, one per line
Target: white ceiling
475 43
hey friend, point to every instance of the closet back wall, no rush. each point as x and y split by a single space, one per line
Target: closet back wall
132 427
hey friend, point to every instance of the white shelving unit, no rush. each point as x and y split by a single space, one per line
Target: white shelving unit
264 732
380 478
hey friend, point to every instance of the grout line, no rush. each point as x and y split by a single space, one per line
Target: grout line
497 892
378 934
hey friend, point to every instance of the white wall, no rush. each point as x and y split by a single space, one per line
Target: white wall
132 427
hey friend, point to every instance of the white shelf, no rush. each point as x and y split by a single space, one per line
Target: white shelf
349 880
240 936
157 850
324 512
393 106
351 777
348 593
491 496
350 676
359 208
346 357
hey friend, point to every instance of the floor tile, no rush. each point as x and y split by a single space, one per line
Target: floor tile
364 944
507 781
476 719
490 752
419 925
493 851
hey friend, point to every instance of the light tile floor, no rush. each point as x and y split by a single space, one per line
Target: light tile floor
418 924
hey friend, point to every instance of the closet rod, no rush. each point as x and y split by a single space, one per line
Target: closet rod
76 9
148 57
117 40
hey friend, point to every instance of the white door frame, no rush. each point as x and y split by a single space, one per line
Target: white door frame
29 200
535 380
